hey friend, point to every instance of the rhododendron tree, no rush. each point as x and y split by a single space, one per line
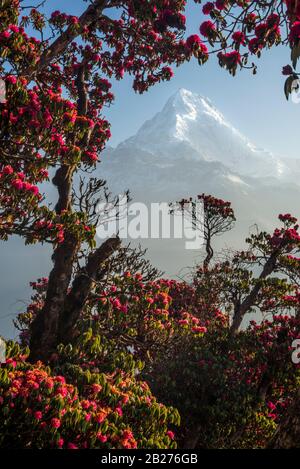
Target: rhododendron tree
53 117
57 85
232 391
215 218
124 313
254 364
230 394
237 31
288 432
263 277
100 325
271 253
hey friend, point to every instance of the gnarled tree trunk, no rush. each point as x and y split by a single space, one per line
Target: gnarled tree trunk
81 288
44 327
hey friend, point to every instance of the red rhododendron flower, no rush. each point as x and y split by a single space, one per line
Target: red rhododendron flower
17 184
239 37
273 20
261 30
7 170
220 4
207 28
11 79
5 35
101 437
193 41
60 442
254 45
38 415
231 58
55 423
199 329
14 28
72 446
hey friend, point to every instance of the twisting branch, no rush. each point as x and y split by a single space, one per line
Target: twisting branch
63 178
45 326
58 47
287 435
81 288
93 198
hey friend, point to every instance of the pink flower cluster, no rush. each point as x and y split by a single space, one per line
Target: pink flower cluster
18 182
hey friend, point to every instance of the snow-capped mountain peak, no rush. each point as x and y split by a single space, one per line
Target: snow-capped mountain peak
189 148
190 127
181 112
190 106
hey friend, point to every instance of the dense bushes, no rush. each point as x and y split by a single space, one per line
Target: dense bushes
40 409
232 391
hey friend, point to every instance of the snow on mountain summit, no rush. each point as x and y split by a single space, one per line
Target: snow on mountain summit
173 123
189 107
191 127
190 148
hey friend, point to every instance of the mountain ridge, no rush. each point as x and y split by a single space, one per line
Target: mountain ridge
211 156
191 119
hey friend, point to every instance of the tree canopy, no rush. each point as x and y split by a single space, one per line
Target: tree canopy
106 336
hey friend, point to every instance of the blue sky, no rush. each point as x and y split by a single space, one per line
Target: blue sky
254 104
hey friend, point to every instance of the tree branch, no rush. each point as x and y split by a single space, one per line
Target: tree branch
81 288
250 300
287 435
